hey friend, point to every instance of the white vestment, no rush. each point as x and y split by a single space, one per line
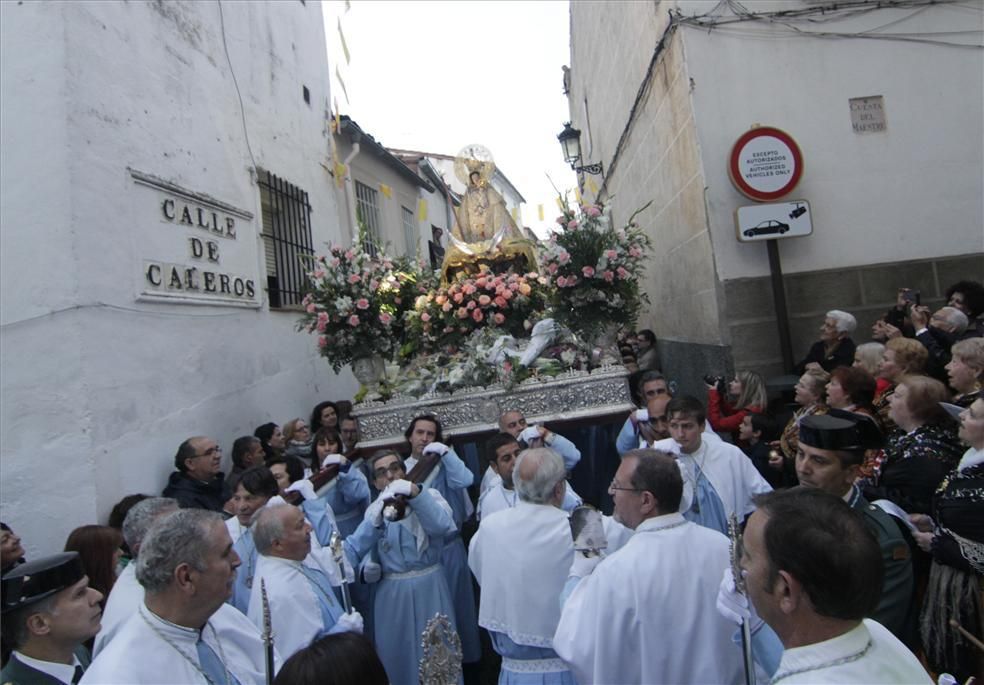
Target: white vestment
647 613
868 653
295 609
521 558
498 498
235 528
139 655
125 598
727 469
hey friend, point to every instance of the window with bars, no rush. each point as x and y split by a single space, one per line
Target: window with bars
367 213
410 233
287 242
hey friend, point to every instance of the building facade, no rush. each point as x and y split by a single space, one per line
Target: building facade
893 205
165 173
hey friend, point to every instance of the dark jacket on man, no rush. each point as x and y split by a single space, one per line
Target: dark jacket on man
196 494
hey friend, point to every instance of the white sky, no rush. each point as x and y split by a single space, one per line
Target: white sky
436 76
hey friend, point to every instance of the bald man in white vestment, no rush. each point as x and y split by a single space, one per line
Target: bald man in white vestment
184 632
647 613
521 557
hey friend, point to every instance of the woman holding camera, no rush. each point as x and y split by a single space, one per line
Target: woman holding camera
748 392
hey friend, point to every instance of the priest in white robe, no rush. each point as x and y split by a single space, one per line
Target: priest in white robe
184 632
647 614
719 480
299 583
520 558
128 594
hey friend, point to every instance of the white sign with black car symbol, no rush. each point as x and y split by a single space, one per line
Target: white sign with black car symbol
777 220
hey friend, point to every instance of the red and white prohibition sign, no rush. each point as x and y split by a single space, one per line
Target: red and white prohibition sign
765 164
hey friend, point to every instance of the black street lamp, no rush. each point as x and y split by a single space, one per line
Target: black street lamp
570 142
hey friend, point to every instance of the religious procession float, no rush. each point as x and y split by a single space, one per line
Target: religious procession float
507 322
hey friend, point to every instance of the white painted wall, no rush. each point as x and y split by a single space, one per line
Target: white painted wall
911 192
96 398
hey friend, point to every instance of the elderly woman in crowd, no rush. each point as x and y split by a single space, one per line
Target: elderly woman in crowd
297 436
809 396
272 439
955 538
748 391
903 356
868 356
851 388
917 458
835 347
966 371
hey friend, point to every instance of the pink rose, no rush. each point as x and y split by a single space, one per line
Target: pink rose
561 282
507 366
498 318
354 278
312 308
553 268
572 224
425 317
588 271
470 304
500 302
319 273
323 316
322 341
525 289
484 300
321 325
622 273
468 289
385 318
611 254
462 313
507 294
362 303
480 282
446 307
564 257
634 251
608 276
592 211
353 320
374 285
458 297
477 315
350 255
441 299
335 262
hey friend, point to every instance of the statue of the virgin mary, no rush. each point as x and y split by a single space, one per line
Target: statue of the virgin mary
484 233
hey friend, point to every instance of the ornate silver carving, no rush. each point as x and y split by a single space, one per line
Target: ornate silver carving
441 663
573 395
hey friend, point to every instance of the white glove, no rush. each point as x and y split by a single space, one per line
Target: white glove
305 487
348 623
437 448
530 434
374 512
642 415
583 566
371 572
331 459
274 501
400 487
733 605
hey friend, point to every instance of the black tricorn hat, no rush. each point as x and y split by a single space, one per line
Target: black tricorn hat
840 430
39 579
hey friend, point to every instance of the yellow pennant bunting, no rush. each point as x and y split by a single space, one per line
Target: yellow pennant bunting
539 211
422 209
386 190
515 214
591 186
577 195
341 82
560 204
340 171
345 50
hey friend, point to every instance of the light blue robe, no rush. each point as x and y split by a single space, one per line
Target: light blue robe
508 649
707 509
451 481
404 604
348 499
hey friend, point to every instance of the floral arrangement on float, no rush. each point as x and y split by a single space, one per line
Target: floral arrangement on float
595 269
444 317
356 304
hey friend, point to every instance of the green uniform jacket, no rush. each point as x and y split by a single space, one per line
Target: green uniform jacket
18 673
894 609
